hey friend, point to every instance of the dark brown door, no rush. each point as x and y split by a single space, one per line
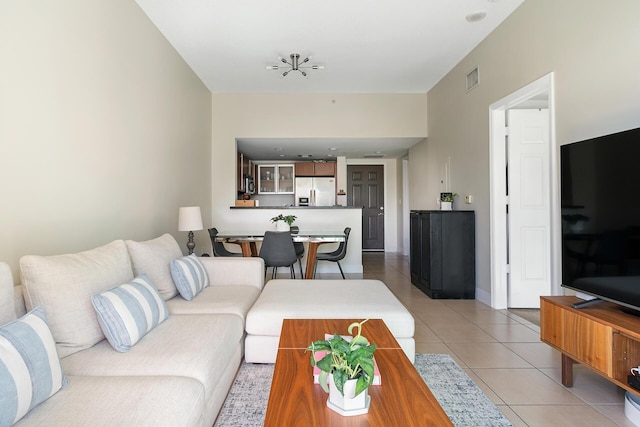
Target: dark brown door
366 189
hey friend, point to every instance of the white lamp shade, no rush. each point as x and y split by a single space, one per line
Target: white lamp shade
190 219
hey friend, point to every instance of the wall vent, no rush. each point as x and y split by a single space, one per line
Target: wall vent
473 78
373 156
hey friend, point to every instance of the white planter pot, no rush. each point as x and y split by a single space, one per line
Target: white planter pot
348 405
282 226
445 206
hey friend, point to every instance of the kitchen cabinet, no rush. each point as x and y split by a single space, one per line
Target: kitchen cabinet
276 179
304 169
244 169
316 169
442 253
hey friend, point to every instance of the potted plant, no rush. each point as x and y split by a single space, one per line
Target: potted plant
446 201
351 366
283 222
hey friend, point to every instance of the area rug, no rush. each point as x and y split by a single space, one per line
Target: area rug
529 314
459 396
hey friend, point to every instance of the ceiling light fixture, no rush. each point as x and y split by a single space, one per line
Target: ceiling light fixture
295 65
476 16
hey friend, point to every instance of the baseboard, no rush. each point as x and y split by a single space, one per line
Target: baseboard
483 296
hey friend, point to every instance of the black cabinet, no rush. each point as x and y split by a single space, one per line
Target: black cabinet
442 253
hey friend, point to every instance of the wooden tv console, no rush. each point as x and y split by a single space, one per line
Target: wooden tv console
600 336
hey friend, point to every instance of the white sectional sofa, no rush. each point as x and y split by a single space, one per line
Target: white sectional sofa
178 374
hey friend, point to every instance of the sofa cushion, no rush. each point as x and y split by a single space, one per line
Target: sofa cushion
236 300
196 346
30 370
122 401
128 312
18 299
64 284
7 307
189 276
153 258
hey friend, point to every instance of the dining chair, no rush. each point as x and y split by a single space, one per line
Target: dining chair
334 256
299 247
218 247
277 251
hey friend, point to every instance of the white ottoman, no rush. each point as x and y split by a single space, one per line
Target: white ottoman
316 299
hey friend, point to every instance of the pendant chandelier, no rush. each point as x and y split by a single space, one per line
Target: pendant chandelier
295 64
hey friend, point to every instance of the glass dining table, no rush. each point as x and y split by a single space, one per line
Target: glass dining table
247 240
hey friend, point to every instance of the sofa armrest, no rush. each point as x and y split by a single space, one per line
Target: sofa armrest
234 271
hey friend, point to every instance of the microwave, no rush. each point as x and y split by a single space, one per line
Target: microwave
303 201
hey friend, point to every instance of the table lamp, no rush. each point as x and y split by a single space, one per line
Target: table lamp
190 219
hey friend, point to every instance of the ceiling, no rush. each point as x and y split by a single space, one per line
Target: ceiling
400 46
324 149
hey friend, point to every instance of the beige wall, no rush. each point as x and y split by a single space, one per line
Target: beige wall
104 130
309 116
592 49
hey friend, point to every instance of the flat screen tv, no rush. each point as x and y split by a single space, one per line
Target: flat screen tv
600 191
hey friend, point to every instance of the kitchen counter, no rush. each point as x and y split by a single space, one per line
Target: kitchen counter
295 207
307 218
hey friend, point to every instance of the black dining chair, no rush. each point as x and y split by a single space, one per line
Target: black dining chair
336 255
299 247
277 251
218 247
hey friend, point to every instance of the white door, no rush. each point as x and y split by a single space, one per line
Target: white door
529 219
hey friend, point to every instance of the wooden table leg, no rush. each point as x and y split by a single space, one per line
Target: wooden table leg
246 248
567 370
311 259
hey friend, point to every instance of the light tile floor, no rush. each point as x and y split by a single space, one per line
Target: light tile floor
502 353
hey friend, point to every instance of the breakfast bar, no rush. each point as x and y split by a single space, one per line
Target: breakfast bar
313 219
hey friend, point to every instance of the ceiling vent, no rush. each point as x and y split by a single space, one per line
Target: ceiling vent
373 156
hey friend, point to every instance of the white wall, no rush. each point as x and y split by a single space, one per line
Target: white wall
309 116
593 56
104 130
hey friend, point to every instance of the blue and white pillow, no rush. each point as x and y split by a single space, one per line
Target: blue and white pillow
128 312
189 276
30 370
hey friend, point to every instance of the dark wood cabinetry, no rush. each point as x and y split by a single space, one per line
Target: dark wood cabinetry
442 253
324 169
316 169
304 169
244 169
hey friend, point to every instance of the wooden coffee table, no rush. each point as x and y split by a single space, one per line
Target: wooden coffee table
402 399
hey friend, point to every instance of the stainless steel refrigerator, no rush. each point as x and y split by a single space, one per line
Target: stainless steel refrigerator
319 191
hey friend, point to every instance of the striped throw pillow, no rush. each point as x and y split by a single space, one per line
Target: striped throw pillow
30 370
128 312
189 276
